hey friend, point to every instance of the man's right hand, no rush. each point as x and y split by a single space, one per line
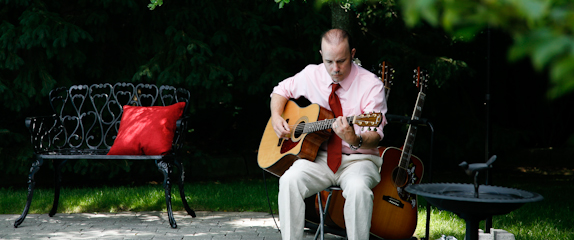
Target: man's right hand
280 126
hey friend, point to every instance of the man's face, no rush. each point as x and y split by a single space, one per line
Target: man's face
337 59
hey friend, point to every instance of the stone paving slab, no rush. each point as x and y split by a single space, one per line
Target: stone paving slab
146 225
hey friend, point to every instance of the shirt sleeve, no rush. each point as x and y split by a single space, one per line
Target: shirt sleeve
374 102
295 86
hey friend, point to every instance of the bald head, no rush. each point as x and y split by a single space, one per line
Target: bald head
335 37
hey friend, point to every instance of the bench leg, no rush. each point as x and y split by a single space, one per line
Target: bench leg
165 168
181 190
31 183
57 183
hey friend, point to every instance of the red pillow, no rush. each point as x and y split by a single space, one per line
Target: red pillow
147 130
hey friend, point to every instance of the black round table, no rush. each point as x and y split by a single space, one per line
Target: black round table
461 199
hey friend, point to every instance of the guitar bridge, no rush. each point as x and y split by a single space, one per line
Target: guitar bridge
394 201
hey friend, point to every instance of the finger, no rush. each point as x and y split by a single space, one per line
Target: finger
279 127
342 122
277 132
286 128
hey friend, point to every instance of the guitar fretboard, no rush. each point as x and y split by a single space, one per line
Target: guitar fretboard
412 132
319 125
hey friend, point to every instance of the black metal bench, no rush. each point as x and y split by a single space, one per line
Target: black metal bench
85 125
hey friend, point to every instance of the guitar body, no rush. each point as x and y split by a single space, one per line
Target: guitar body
396 220
277 155
396 209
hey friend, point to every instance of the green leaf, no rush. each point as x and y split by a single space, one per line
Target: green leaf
520 48
429 11
154 4
449 18
468 32
561 89
410 12
548 49
532 10
562 69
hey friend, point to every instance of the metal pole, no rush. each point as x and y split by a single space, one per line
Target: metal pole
488 222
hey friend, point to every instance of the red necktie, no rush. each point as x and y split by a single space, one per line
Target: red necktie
334 147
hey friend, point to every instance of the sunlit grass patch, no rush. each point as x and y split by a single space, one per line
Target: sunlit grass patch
549 219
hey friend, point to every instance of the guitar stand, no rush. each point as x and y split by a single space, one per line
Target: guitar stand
423 122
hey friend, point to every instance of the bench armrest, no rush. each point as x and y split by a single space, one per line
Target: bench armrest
41 129
181 127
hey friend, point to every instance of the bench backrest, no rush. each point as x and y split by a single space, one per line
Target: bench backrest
87 118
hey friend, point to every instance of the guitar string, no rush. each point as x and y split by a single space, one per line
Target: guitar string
323 123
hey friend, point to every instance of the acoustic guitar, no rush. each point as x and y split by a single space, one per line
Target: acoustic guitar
394 210
311 126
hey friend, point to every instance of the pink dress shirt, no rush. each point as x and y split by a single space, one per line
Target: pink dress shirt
361 92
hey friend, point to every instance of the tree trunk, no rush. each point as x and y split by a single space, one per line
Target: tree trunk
340 17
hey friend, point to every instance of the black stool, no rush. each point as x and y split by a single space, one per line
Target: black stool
323 211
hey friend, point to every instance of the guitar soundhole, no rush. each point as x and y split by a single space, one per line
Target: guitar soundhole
400 177
298 130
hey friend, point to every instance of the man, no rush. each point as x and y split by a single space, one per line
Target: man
355 168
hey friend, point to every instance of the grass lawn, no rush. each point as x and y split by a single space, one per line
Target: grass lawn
550 219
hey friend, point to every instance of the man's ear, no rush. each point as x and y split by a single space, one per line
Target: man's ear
321 52
353 53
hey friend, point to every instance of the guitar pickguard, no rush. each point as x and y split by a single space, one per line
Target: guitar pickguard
412 179
287 145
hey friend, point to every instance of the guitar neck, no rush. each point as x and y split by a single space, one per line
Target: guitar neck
412 132
322 125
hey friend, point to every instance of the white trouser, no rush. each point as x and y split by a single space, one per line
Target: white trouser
357 175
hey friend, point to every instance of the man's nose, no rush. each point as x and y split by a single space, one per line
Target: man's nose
336 67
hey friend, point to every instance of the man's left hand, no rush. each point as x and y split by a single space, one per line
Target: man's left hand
345 131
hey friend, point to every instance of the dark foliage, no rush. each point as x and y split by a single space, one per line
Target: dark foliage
230 54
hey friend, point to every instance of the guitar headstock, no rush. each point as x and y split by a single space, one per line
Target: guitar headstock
420 79
368 119
387 74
